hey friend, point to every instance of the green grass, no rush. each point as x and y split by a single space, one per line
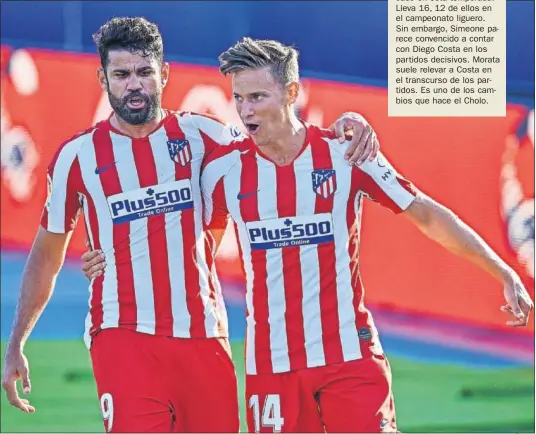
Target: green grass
429 398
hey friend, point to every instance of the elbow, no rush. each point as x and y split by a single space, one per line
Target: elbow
431 218
44 265
421 212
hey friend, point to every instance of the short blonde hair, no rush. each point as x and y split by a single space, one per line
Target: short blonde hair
251 53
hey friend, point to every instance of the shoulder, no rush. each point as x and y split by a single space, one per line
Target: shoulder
200 120
318 135
226 155
206 118
324 133
68 150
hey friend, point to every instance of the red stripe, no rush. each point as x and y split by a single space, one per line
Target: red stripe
211 245
156 233
72 201
44 218
362 316
292 277
220 214
92 224
211 276
52 164
249 211
51 168
210 145
96 313
194 302
121 232
328 271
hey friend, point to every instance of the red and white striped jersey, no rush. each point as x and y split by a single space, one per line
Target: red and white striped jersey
142 207
298 230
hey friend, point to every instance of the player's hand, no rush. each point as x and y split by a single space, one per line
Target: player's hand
16 368
94 264
364 143
518 301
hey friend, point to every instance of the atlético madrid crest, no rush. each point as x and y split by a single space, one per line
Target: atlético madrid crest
179 151
324 182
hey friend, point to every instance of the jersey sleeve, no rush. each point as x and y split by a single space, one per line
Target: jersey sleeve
218 214
215 211
215 132
384 185
62 207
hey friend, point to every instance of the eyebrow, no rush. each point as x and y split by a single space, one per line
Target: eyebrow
142 69
257 92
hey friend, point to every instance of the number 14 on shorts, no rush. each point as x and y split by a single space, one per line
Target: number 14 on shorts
270 413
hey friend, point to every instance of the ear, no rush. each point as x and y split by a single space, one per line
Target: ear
101 77
293 90
164 73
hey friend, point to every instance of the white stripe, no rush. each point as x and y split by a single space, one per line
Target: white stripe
221 310
232 189
139 243
212 174
267 205
198 150
88 163
58 198
386 179
86 218
310 268
221 134
345 294
88 322
377 347
165 169
214 171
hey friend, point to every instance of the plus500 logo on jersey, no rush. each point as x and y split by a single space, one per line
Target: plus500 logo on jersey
290 231
149 201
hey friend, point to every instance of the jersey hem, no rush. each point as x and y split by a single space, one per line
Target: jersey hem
282 370
180 334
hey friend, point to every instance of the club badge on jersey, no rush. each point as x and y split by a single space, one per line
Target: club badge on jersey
324 182
149 201
179 151
290 231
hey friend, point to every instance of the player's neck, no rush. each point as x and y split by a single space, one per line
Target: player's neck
137 131
286 142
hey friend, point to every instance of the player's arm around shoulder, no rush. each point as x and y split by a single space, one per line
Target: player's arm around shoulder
220 132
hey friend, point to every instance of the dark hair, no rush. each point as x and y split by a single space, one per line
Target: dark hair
251 53
136 35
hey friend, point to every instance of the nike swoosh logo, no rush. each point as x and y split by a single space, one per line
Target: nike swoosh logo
104 168
243 196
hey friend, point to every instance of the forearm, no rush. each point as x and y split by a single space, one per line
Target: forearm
38 282
443 226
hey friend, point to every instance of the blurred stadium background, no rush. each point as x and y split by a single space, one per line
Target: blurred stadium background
457 367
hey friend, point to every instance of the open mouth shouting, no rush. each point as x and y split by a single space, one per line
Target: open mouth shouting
136 103
252 128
